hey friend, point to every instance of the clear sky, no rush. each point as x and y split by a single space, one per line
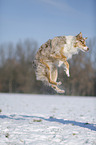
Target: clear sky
44 19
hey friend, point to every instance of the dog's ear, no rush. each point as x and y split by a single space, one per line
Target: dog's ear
79 35
86 38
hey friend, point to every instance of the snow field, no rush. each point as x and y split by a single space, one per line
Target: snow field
47 120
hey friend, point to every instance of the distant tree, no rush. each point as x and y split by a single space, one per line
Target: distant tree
17 73
2 55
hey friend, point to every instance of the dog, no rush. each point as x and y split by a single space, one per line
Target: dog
54 53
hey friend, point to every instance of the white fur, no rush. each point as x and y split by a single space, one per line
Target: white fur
69 49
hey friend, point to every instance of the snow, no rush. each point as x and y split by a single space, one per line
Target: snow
47 120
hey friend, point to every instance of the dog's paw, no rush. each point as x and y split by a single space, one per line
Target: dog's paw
57 89
59 83
67 73
61 91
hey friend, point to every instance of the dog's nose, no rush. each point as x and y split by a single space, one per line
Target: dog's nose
87 49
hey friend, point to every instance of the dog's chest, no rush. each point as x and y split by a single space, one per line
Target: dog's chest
69 48
67 52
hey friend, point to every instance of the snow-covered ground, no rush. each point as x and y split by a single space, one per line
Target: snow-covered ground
47 120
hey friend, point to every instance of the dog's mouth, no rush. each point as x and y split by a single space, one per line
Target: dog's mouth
85 49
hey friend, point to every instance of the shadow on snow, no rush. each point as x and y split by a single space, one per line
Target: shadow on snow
51 119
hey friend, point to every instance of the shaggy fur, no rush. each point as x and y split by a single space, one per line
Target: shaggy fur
54 53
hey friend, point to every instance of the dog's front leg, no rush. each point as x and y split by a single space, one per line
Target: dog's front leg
67 68
65 61
62 58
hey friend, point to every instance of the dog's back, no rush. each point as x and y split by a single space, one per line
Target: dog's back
51 47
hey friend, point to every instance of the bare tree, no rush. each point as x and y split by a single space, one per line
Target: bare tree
18 75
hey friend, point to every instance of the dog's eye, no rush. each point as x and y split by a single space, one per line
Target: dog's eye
81 41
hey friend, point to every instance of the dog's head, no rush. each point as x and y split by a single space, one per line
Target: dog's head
80 42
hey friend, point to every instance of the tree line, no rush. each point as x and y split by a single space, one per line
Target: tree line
17 73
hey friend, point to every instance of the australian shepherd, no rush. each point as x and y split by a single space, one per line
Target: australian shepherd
54 53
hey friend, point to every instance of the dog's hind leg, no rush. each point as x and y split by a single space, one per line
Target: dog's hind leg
54 75
48 74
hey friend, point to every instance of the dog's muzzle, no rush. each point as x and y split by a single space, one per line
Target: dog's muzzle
85 48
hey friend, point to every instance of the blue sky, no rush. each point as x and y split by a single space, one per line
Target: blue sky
41 20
